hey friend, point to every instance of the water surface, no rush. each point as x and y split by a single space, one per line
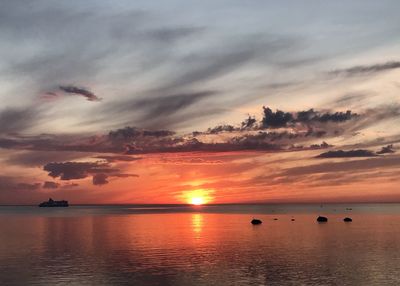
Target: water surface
215 245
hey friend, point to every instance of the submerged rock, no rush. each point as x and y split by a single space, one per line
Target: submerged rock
347 219
256 221
322 219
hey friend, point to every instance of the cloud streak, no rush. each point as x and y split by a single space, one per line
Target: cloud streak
347 154
366 69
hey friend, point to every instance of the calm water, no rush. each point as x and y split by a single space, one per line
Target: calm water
137 245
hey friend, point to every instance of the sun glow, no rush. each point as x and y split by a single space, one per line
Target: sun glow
198 197
197 201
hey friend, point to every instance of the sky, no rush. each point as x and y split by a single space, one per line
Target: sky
167 102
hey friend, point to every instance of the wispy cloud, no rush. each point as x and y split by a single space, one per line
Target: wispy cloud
366 69
70 89
347 154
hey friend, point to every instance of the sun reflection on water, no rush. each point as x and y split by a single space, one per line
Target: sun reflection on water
197 223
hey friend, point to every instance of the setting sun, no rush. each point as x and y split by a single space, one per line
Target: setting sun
198 197
197 201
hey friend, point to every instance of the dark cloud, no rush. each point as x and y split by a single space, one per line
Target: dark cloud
90 96
386 150
80 170
276 119
100 179
249 123
311 115
221 128
280 119
194 145
347 154
50 185
299 128
72 170
323 145
367 69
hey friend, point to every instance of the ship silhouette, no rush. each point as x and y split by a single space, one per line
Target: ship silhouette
52 203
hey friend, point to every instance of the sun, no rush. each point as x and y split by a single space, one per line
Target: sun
197 201
197 197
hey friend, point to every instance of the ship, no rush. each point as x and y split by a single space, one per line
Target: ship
52 203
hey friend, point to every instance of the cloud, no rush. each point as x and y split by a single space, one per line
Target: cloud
100 179
125 175
276 119
227 56
128 132
161 111
347 154
311 115
360 165
118 158
280 119
350 99
13 184
39 158
366 69
50 185
72 170
69 186
70 89
386 150
297 131
80 170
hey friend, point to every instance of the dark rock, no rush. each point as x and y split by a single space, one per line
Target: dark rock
256 221
347 219
322 219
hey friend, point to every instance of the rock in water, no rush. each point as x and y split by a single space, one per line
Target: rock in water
256 221
322 219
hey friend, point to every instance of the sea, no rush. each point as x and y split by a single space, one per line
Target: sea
200 245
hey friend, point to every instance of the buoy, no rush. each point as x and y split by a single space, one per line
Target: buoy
322 219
